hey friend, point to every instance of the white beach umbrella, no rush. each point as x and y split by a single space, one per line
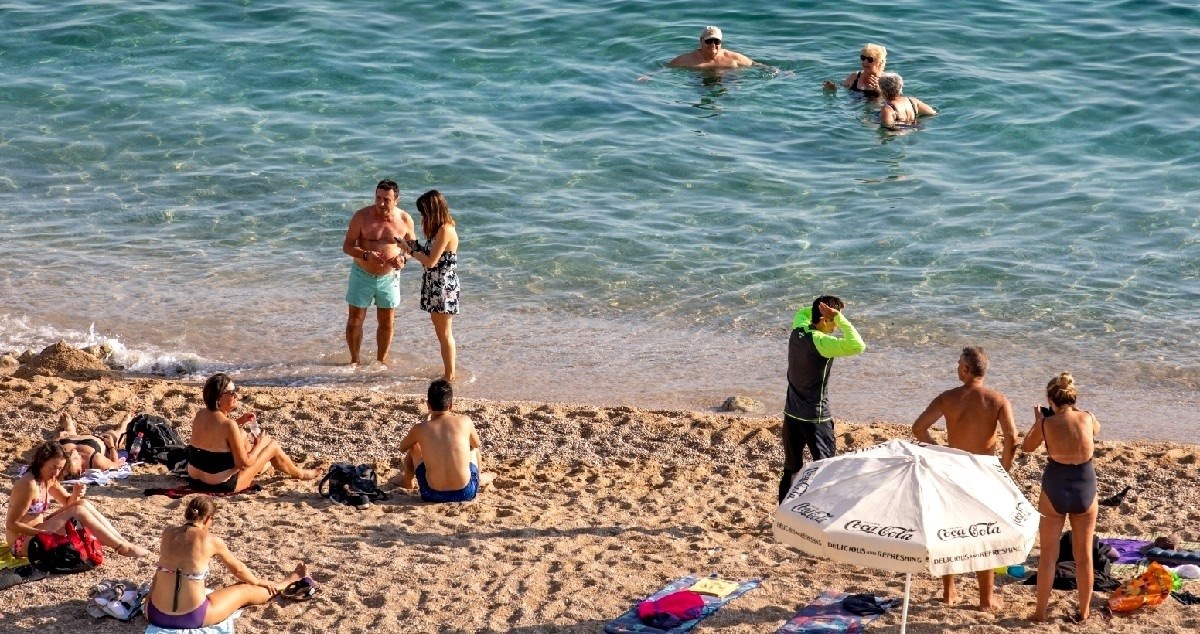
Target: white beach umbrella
909 507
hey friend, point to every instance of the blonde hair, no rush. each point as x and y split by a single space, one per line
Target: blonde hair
877 51
1061 390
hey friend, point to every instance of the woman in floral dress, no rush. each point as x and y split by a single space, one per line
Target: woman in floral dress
439 256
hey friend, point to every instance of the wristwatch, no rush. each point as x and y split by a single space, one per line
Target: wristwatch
365 254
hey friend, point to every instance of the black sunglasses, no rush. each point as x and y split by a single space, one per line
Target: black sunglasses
867 59
713 41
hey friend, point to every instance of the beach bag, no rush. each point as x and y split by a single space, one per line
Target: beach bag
346 483
161 444
76 551
1150 588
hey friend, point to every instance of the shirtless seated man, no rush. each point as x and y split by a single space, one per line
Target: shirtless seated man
972 412
710 54
443 452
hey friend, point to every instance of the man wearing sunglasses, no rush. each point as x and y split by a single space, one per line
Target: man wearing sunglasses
711 53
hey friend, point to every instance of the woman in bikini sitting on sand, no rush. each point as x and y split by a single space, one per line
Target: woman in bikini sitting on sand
94 452
29 503
223 456
1068 488
178 597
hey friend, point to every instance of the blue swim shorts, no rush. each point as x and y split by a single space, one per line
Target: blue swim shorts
465 494
365 288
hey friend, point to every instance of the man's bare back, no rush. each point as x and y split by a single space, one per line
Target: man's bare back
447 441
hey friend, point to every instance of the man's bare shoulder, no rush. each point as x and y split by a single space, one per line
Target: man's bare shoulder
691 58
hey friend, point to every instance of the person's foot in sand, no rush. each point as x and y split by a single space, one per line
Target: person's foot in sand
994 606
67 424
299 573
131 550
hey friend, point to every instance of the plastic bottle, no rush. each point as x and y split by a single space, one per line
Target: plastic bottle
135 448
255 428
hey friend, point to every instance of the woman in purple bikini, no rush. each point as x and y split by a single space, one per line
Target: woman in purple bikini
178 597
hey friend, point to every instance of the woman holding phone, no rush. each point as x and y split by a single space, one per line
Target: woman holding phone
439 256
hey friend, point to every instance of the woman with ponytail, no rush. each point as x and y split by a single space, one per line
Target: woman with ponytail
178 596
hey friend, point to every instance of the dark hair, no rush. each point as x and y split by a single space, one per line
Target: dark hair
389 185
435 212
43 454
441 396
214 387
200 507
830 301
1062 390
975 359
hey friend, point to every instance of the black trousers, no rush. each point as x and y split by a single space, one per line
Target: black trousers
797 435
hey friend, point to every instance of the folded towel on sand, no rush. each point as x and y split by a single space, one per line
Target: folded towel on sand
1129 550
629 623
193 487
102 477
224 627
826 614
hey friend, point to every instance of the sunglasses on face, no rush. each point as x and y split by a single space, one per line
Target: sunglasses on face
867 59
232 393
713 41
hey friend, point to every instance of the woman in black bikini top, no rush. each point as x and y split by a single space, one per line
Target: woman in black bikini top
1068 489
872 58
95 452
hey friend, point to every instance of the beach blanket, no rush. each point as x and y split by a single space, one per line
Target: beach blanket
102 477
224 627
1129 550
629 623
826 614
194 487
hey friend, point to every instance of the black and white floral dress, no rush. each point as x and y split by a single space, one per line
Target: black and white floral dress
439 286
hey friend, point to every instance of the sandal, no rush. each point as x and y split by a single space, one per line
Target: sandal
301 590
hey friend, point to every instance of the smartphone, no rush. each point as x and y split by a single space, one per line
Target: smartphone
1047 412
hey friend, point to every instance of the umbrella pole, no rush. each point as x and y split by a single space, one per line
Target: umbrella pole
904 610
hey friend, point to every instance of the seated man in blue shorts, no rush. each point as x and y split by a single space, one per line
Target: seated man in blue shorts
443 452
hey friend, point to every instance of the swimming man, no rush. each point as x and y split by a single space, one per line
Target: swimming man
711 54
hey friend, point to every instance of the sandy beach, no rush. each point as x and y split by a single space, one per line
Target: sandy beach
592 509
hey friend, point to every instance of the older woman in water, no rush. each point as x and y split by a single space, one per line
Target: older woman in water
179 598
872 58
896 109
29 506
223 456
1068 488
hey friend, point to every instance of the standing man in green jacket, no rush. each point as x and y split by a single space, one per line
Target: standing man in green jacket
811 351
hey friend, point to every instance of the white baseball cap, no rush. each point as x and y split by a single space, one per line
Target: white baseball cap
711 31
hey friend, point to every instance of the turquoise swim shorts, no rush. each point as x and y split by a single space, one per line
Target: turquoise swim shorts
365 288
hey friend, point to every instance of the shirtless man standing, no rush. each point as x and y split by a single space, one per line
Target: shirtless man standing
710 54
374 276
443 452
972 412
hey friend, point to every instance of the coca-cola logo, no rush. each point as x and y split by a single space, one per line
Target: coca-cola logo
801 484
892 532
979 529
1021 516
810 512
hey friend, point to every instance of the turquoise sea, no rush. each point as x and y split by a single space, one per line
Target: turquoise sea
176 179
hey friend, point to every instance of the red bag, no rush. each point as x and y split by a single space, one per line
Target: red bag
75 551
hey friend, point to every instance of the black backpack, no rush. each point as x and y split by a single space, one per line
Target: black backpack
161 444
349 484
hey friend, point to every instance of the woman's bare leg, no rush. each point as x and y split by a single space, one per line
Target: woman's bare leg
98 524
268 451
226 601
1083 527
445 334
1049 532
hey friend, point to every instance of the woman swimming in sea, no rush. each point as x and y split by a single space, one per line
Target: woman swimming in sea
896 109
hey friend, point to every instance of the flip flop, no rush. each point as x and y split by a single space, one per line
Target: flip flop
301 590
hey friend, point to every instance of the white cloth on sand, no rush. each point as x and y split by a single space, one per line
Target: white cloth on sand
224 627
102 477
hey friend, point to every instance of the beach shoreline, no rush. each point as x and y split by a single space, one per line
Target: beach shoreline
592 509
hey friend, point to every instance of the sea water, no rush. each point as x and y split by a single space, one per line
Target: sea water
176 179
